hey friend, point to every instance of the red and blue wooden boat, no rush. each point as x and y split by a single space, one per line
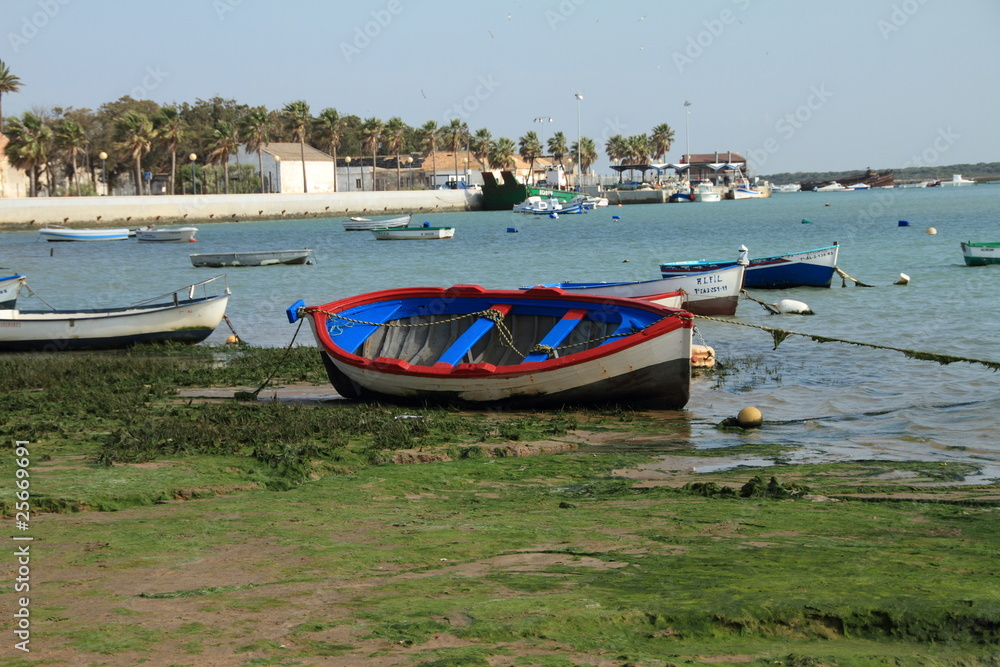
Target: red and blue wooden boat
541 347
809 268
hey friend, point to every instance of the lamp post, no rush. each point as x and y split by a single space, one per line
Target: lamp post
104 171
348 161
465 169
687 130
409 164
579 137
277 174
194 184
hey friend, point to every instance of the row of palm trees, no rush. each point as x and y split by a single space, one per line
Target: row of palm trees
136 130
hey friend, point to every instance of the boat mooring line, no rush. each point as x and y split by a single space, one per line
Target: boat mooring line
252 395
781 334
844 278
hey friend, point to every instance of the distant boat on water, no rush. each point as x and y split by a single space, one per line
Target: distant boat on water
980 254
363 224
252 258
60 233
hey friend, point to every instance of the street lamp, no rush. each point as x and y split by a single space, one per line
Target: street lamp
409 163
465 168
579 137
194 185
687 130
348 161
104 171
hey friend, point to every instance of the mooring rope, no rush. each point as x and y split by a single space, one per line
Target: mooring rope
767 307
780 335
844 278
252 395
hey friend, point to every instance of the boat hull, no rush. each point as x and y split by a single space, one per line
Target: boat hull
715 292
364 224
10 288
810 268
981 254
645 368
66 234
261 258
190 321
413 233
176 235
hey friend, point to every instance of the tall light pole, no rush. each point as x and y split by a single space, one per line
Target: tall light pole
194 184
348 161
409 163
687 130
579 137
104 171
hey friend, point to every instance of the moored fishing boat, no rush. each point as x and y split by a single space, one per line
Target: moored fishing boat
534 348
10 288
364 224
808 268
188 315
706 192
413 233
60 233
714 292
980 254
153 234
252 258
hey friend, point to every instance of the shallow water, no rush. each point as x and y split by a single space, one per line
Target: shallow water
833 401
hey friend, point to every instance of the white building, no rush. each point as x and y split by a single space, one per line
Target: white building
282 168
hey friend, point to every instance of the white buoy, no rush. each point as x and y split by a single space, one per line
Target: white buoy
903 279
792 307
931 231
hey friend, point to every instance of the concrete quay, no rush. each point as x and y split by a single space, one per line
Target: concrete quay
84 212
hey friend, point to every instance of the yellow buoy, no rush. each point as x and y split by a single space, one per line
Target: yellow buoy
232 340
750 417
931 230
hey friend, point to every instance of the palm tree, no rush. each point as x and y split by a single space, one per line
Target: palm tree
616 148
454 136
587 151
557 147
71 137
28 145
395 133
8 84
135 134
501 153
298 119
480 145
225 142
428 142
661 140
170 131
371 130
331 126
254 131
429 134
529 149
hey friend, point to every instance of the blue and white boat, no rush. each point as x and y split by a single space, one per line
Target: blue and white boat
541 347
10 287
548 206
809 268
60 233
715 292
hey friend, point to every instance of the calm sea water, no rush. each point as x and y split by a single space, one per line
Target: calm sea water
831 401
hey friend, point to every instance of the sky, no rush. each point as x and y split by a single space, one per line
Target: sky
791 85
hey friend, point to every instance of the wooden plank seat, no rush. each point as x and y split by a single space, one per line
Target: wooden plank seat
557 334
482 326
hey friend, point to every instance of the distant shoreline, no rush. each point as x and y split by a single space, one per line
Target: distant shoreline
35 212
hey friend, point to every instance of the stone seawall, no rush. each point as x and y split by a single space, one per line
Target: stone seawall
34 212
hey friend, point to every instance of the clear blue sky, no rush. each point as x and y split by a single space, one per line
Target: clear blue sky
797 86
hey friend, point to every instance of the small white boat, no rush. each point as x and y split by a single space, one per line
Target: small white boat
413 233
253 258
60 233
364 224
786 188
832 186
957 180
188 315
536 205
705 192
10 287
165 234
